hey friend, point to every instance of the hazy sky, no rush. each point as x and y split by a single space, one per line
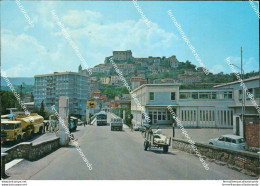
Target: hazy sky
217 30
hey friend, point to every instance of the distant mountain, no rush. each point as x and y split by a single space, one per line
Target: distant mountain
18 81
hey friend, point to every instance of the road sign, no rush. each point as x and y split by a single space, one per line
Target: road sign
92 104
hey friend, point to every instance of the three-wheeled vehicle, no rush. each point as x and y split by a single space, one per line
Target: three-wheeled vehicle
157 140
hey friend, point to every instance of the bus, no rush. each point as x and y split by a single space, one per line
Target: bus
101 118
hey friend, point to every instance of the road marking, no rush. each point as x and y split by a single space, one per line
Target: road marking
12 163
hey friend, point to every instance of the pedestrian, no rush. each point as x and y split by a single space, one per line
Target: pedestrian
173 126
84 123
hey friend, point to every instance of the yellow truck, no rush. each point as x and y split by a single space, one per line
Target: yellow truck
21 127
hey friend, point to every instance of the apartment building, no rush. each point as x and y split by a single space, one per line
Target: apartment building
49 88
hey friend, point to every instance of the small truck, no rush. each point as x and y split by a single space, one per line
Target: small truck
116 124
158 140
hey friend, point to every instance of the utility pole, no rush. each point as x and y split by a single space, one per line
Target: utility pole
243 99
21 91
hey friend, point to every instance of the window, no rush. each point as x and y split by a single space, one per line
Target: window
228 95
221 139
195 95
164 116
159 116
214 95
257 92
172 95
249 93
154 115
228 140
168 116
205 95
234 141
151 96
241 140
184 95
240 95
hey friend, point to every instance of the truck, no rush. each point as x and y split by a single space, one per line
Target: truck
21 127
116 124
156 140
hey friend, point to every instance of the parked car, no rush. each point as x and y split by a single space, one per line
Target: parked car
136 127
230 141
142 128
80 122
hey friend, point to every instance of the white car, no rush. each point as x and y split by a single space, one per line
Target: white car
80 122
136 127
230 141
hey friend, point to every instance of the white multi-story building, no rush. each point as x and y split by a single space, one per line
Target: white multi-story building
49 88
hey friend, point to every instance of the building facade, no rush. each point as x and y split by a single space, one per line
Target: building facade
251 115
122 55
195 108
49 87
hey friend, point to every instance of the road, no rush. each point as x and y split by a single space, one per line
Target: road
118 155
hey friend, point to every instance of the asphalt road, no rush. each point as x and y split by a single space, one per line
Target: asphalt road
118 155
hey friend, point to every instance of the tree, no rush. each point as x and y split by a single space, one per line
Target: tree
80 68
32 97
8 100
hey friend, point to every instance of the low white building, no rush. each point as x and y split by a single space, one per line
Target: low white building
195 108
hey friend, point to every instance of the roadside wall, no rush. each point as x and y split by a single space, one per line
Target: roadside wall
30 151
252 134
242 161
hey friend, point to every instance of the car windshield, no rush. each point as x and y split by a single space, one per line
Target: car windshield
241 140
102 117
7 126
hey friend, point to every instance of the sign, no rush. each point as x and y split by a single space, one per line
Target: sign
92 104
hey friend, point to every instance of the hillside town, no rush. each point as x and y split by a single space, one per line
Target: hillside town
90 95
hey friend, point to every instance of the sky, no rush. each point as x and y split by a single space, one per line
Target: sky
216 30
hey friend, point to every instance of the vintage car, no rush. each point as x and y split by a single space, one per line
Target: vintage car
230 141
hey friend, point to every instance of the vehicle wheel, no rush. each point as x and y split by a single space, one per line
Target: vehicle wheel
41 130
146 144
165 149
24 137
211 143
18 139
31 135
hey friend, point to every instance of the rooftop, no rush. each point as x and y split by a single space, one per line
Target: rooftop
236 82
60 73
166 84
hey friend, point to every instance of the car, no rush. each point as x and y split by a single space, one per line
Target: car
136 127
230 141
80 122
142 128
